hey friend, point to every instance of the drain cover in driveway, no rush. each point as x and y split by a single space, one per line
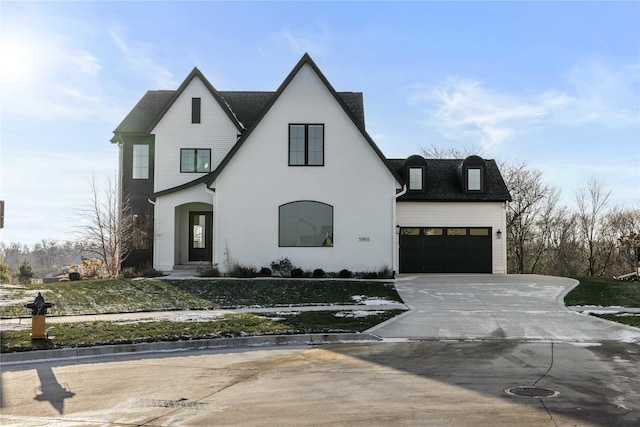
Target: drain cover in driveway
531 392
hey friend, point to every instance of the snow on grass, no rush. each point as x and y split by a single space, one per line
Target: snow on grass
357 314
365 300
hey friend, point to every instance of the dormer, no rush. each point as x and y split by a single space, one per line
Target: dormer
414 172
472 174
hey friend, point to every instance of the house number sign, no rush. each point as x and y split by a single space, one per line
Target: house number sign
364 239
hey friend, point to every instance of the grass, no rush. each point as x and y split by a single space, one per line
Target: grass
631 319
604 292
87 334
132 295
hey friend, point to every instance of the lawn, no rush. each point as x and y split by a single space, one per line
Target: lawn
135 295
631 319
604 292
140 295
87 334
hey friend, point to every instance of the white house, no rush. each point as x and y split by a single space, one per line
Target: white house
252 177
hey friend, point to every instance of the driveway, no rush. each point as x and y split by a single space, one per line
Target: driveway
520 307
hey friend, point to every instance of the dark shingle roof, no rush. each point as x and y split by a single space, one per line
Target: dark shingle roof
443 185
246 106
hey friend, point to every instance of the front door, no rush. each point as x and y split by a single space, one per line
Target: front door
200 236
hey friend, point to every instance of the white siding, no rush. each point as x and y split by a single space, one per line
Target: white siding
175 131
353 180
480 214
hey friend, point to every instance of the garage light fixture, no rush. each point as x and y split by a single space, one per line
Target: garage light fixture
499 234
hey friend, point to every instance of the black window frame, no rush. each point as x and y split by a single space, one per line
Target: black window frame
306 143
327 242
196 110
421 169
195 158
133 162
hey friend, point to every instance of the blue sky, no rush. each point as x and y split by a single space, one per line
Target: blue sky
553 84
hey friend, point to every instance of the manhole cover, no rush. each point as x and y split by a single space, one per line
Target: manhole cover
531 392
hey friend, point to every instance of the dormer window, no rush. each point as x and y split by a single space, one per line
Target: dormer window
474 179
416 178
471 173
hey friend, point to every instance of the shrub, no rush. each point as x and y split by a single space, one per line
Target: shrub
25 272
297 273
209 271
283 266
5 277
383 273
241 271
318 272
265 272
345 274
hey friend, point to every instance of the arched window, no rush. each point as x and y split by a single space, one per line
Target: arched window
471 173
305 223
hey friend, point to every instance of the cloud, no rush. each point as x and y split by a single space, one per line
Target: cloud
593 93
139 59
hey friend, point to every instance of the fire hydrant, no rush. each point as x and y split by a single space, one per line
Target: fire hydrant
38 310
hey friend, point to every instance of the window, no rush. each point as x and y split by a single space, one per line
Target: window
474 179
195 110
409 231
456 232
305 223
478 231
140 168
195 160
306 145
142 231
415 179
433 231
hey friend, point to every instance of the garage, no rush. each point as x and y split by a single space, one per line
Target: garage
445 250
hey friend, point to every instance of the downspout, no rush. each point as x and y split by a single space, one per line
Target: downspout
395 249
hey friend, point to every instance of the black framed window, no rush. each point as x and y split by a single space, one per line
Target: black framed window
195 110
416 178
140 167
474 179
195 160
305 223
306 145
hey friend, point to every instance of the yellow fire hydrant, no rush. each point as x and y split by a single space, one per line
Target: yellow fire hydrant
38 310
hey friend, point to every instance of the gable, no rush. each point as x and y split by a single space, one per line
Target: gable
308 68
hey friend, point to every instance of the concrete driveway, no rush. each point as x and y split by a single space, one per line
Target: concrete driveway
525 307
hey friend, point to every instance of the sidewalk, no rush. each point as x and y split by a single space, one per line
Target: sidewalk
597 309
191 315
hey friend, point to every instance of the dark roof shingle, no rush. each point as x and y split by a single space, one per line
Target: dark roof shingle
443 185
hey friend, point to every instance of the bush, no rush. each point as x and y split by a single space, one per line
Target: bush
283 266
145 270
5 277
318 272
265 272
345 274
383 273
297 273
25 272
209 271
241 271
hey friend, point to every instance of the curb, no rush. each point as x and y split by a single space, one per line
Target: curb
39 356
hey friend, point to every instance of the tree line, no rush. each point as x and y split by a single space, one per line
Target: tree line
592 238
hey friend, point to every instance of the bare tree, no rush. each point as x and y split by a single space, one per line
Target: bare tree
591 202
434 152
108 225
530 216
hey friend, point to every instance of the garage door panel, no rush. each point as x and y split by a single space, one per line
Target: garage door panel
446 250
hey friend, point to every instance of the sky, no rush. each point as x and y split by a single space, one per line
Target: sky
553 84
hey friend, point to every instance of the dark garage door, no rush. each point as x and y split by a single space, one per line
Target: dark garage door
445 250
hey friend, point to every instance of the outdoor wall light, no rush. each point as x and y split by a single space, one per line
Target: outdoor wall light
397 228
499 234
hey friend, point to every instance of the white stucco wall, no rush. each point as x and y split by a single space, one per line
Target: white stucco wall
353 180
459 214
171 225
175 131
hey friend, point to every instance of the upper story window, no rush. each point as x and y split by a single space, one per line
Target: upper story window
306 145
195 110
195 160
474 179
140 169
416 179
471 173
305 223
